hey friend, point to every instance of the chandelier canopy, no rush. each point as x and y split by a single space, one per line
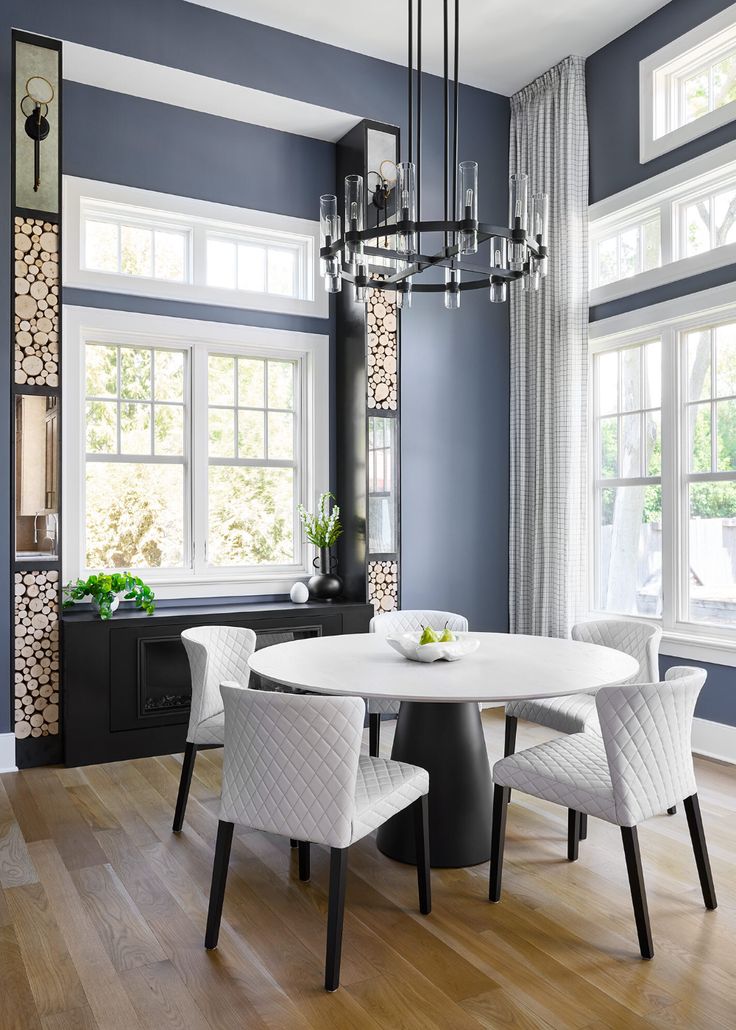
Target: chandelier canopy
365 257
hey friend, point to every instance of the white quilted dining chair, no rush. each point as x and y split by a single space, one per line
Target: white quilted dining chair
216 654
292 766
639 766
392 624
576 713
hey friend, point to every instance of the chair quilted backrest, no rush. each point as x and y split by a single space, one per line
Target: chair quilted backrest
215 653
410 621
646 730
291 763
639 639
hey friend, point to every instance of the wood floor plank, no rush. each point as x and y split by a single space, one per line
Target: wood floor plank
77 1019
72 836
25 809
91 808
17 1005
127 937
52 977
161 998
107 999
16 867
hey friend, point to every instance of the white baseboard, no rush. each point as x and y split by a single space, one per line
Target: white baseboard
7 752
714 740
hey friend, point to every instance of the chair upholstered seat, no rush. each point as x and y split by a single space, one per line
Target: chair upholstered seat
573 713
210 731
382 789
571 771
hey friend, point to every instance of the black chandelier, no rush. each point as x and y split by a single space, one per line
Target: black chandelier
518 252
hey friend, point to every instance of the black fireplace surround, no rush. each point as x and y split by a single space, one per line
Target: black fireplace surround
127 686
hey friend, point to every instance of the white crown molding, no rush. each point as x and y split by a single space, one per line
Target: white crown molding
714 740
7 752
166 85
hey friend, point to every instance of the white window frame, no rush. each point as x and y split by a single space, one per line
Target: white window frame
668 320
665 192
197 579
198 218
660 79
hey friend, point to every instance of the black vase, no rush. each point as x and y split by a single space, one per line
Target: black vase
325 586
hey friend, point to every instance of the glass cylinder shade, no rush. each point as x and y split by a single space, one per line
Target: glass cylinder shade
498 252
452 288
406 206
467 204
499 292
353 213
519 201
540 228
403 296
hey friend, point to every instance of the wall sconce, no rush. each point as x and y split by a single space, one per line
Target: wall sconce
35 107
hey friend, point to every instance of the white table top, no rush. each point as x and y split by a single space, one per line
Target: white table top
505 667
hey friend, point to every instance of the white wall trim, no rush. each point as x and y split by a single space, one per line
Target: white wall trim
166 85
714 740
7 752
80 323
704 304
197 216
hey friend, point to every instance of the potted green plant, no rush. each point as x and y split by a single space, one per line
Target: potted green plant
105 590
322 528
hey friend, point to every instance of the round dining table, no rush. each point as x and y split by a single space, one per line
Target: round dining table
439 726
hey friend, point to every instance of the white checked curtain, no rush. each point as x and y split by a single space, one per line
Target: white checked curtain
549 362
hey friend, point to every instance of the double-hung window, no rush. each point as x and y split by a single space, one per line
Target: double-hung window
663 467
188 447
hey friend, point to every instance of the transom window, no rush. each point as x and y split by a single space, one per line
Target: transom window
191 455
664 475
157 245
625 249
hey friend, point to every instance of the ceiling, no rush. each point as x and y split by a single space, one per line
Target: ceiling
503 43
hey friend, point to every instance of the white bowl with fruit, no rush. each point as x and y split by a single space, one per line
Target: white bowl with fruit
434 645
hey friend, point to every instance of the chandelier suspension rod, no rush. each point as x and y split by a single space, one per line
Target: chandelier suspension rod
410 75
419 113
446 98
456 213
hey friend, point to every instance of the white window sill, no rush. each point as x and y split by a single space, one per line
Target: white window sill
671 272
214 586
713 649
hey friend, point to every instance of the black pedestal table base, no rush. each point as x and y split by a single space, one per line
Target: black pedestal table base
447 740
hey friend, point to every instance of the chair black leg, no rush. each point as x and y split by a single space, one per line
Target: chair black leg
219 879
187 768
573 834
374 734
672 811
638 893
293 843
421 840
697 836
304 872
498 835
509 742
583 826
335 916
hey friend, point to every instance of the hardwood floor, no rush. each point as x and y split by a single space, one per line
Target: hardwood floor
102 916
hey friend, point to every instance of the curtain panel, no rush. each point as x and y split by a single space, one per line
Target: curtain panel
549 364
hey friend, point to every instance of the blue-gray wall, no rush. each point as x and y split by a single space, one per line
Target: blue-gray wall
455 367
613 124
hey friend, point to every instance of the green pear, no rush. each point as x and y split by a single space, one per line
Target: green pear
447 635
428 636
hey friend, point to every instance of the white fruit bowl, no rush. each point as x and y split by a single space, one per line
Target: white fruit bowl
452 651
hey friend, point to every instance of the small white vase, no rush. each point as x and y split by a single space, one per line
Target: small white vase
113 607
299 593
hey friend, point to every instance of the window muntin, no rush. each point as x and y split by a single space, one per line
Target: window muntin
252 448
244 263
697 87
627 479
709 480
120 246
136 457
625 250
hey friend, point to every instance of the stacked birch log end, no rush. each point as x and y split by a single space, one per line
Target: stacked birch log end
382 351
383 585
36 654
36 292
